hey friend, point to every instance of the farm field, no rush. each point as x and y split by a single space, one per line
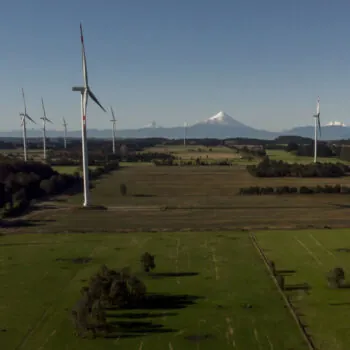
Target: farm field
306 257
191 198
212 290
195 151
291 158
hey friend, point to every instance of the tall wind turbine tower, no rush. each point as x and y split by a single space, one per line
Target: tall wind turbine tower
185 133
44 119
113 120
85 92
25 116
317 126
64 132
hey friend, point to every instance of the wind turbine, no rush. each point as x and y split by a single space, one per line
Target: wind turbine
24 127
185 133
113 120
317 126
65 132
85 93
44 119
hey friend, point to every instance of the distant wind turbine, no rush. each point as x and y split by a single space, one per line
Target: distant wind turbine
25 116
44 119
113 120
317 126
65 132
185 133
85 93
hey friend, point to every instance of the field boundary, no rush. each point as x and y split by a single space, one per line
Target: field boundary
287 302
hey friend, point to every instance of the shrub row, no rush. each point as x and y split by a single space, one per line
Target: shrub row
257 190
272 168
196 162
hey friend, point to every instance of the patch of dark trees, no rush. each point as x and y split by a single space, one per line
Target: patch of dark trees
274 168
22 182
109 289
268 190
324 149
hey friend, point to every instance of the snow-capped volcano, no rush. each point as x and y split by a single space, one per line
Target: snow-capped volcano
335 123
222 118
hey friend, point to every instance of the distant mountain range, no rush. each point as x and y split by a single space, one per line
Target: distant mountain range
219 126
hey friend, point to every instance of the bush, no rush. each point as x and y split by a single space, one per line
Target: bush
336 277
47 186
123 189
147 261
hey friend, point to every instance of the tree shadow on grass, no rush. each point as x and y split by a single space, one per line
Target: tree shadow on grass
143 195
133 329
143 315
22 223
163 302
299 286
130 328
285 272
172 274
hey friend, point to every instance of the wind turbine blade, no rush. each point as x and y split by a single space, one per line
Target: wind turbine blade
85 75
319 124
27 116
94 98
42 104
113 116
24 101
48 120
318 106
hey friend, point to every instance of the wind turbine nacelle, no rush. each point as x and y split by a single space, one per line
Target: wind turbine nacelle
78 88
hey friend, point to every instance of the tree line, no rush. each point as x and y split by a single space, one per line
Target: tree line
274 168
266 190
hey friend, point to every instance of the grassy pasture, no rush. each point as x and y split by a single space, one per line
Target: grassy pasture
306 257
68 169
194 151
291 158
213 292
196 198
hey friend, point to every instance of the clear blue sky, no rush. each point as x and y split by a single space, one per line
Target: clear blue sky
262 62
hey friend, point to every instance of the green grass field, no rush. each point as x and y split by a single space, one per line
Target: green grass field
194 151
306 257
204 283
291 158
208 270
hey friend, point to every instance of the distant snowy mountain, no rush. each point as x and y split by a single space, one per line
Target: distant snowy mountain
219 126
224 119
335 123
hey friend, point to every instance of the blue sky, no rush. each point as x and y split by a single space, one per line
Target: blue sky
262 62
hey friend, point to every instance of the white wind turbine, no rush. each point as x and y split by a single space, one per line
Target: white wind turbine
85 93
65 132
44 119
185 133
317 126
25 116
113 120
